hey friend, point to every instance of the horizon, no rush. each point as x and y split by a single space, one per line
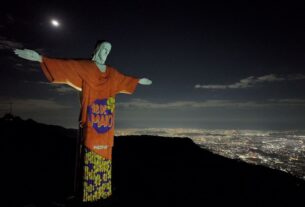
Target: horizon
164 130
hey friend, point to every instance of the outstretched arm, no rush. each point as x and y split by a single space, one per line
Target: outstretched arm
28 55
56 70
145 81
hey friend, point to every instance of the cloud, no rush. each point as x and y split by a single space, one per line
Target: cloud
59 88
63 89
296 77
251 81
289 102
30 105
7 20
26 67
211 86
269 78
8 44
144 104
10 19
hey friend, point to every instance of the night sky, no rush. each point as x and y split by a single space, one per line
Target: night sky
215 65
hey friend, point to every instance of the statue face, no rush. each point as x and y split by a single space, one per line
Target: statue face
102 52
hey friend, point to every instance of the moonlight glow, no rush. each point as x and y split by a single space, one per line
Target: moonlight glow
54 22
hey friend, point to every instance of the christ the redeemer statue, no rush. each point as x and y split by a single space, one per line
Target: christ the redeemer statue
98 83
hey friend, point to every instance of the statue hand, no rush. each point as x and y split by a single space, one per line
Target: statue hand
145 81
28 54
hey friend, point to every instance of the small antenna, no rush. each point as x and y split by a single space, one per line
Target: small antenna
11 107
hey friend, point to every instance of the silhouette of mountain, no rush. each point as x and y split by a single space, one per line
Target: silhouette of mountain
38 169
37 161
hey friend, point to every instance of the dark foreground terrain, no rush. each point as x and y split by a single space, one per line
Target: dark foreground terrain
37 169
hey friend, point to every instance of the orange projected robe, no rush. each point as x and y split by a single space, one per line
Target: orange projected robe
98 88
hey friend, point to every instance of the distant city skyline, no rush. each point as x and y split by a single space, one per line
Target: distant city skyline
277 149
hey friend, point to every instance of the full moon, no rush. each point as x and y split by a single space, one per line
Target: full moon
54 22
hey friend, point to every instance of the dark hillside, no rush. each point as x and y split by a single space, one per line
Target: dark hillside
37 163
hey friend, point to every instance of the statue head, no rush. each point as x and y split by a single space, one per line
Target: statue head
102 49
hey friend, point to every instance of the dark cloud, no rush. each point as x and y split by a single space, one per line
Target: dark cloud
9 44
57 88
22 105
252 81
10 19
26 67
180 105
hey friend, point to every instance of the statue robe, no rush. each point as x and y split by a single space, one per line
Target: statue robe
98 88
